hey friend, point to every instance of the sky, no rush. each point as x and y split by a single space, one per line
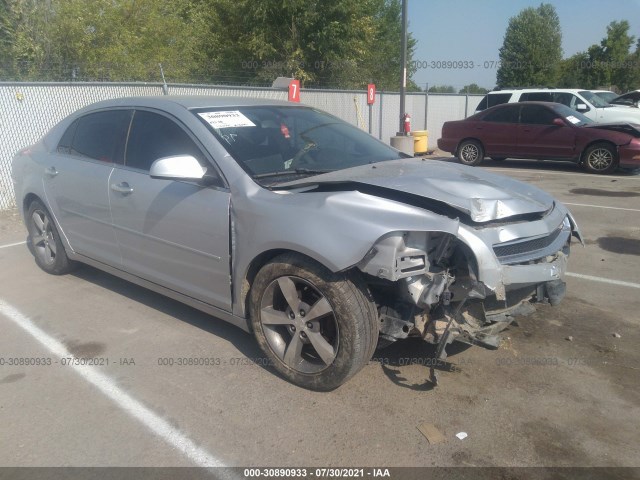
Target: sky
473 31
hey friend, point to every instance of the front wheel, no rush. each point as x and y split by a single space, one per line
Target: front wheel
470 152
45 241
318 328
600 158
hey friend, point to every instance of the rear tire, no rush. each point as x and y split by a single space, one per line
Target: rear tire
600 158
317 328
470 152
45 241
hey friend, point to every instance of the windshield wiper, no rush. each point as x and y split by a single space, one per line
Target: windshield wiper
293 171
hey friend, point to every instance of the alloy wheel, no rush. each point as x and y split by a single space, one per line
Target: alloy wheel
43 241
299 324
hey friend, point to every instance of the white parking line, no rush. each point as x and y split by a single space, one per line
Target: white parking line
107 386
603 280
13 244
546 172
601 206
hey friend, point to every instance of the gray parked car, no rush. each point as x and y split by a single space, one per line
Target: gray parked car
292 224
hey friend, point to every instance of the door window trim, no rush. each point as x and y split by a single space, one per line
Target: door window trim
203 151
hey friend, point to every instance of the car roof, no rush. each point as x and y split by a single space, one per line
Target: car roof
185 101
541 89
529 102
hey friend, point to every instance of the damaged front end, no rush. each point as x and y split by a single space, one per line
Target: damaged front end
470 286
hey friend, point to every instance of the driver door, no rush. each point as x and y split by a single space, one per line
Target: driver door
172 233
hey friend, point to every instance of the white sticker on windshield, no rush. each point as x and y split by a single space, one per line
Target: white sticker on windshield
227 119
573 119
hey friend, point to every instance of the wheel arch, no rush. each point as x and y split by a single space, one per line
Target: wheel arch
28 199
595 142
256 265
475 139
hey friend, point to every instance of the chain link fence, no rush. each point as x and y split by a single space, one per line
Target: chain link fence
29 110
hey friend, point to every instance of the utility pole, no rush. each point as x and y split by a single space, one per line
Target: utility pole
403 66
402 141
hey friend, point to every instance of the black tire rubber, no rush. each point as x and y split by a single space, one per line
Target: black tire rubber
355 314
470 152
588 161
61 264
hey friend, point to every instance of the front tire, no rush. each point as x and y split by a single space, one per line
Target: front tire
318 328
600 158
470 152
45 241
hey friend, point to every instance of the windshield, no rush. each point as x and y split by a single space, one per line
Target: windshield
571 115
277 144
607 96
595 100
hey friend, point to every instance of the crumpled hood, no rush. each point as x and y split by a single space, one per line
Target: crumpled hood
628 128
483 196
628 98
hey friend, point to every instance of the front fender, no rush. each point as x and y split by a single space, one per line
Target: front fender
336 229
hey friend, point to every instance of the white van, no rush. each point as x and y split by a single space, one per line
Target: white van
583 101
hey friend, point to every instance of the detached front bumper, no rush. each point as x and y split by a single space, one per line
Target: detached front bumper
514 275
629 155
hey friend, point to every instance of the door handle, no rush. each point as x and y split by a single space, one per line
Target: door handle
51 171
122 187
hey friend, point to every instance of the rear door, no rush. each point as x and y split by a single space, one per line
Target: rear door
498 131
172 233
76 182
538 137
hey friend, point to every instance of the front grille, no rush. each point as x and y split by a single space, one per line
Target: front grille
534 249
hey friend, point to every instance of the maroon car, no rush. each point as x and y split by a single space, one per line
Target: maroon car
544 131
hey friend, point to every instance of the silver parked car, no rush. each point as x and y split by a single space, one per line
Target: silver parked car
293 224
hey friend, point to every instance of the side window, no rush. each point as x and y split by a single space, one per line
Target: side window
64 146
155 136
537 115
536 97
483 103
503 115
564 98
498 99
101 136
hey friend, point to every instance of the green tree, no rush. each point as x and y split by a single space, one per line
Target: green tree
126 40
607 65
442 89
473 89
532 48
615 53
321 42
25 47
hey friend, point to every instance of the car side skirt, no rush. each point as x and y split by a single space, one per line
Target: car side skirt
235 320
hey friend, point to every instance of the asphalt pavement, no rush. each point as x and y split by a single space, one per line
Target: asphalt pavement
562 390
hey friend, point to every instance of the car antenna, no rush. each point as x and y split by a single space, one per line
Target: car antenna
165 87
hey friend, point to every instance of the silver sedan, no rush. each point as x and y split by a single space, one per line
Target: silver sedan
292 224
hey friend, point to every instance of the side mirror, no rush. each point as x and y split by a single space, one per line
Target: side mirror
558 122
581 107
179 167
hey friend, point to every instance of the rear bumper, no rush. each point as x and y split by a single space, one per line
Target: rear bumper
447 145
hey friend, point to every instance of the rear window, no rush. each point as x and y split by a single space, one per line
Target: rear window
493 99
